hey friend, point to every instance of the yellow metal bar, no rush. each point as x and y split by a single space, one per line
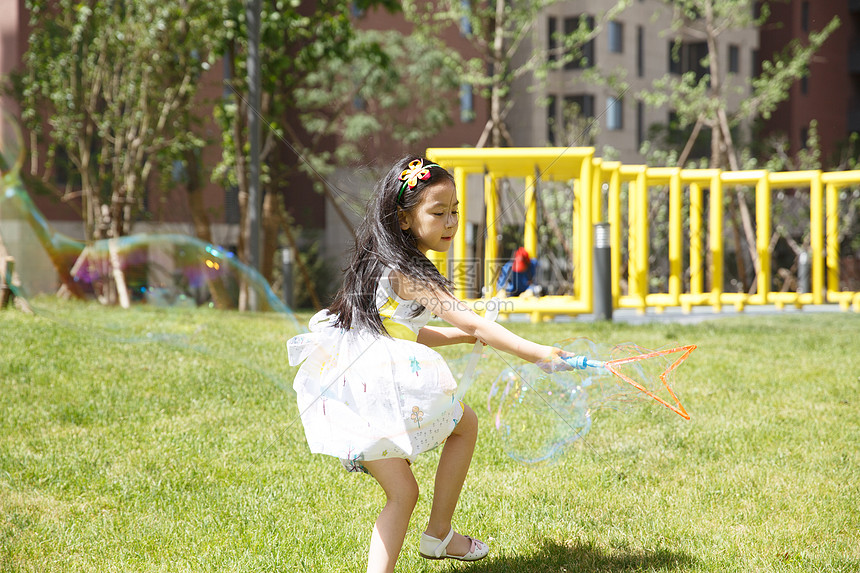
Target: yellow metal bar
816 235
743 177
491 245
675 249
614 218
576 238
538 307
841 178
715 241
632 233
787 179
586 236
763 232
461 264
696 258
596 190
697 179
530 228
553 163
641 254
832 231
586 174
440 260
737 299
700 176
689 300
590 174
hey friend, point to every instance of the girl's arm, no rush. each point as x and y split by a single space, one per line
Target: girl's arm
455 312
443 335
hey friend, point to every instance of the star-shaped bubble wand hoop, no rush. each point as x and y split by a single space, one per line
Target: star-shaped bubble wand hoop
584 362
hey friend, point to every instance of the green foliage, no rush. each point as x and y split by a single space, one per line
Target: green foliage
327 82
497 33
107 84
809 157
771 86
703 99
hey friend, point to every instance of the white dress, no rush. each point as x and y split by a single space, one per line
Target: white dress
363 396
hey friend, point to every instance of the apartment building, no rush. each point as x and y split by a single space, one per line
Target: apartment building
637 47
830 94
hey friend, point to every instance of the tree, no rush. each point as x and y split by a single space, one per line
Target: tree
499 32
104 87
327 88
701 100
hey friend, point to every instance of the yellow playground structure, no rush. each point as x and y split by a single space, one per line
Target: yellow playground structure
695 246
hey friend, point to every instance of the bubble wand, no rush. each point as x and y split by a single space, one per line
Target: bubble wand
583 362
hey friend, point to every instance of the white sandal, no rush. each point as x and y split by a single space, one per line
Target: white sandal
432 548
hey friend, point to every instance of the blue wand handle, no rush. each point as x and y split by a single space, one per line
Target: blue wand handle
583 362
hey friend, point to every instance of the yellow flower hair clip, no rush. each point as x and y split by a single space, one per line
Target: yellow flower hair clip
410 176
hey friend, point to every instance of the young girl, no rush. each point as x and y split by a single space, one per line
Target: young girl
371 391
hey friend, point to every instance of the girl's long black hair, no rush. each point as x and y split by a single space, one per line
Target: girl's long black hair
381 243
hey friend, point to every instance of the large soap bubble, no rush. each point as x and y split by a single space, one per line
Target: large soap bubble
158 269
537 414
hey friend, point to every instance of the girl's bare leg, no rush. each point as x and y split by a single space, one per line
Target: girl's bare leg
450 475
389 531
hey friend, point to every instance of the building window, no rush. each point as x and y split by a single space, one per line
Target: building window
804 85
756 65
552 41
585 58
675 58
640 51
640 124
804 137
178 172
551 114
616 37
688 57
579 104
467 104
227 92
734 59
804 16
231 205
614 113
465 22
570 119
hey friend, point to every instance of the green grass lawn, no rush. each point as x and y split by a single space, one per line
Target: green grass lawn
149 440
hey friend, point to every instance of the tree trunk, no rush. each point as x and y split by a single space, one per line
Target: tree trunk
688 148
498 48
270 228
493 129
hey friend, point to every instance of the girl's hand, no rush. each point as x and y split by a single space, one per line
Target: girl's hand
554 360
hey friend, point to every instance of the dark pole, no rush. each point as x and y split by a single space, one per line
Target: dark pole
252 15
602 273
